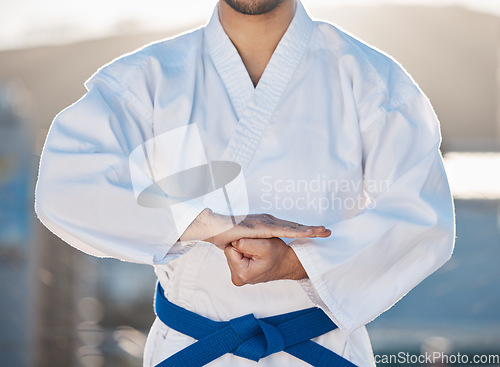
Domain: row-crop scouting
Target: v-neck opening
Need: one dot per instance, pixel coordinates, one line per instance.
(255, 105)
(230, 65)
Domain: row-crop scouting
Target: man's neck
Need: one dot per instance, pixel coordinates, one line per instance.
(256, 36)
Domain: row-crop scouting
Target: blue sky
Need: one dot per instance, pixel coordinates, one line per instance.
(34, 22)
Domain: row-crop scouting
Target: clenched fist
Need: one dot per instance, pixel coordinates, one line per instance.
(260, 260)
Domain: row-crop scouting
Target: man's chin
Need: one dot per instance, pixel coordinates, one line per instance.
(253, 7)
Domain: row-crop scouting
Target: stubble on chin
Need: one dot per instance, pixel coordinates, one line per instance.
(253, 7)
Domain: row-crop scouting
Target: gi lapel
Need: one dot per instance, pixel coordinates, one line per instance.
(255, 107)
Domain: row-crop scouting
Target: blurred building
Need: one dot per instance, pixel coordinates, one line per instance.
(17, 257)
(81, 311)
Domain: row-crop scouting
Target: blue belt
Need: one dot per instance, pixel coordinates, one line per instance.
(247, 336)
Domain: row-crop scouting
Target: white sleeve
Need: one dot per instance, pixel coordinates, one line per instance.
(85, 193)
(374, 258)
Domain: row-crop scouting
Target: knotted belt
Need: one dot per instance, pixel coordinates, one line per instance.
(247, 336)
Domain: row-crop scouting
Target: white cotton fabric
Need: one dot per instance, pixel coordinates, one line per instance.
(336, 133)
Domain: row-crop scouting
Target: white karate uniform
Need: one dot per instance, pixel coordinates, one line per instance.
(336, 133)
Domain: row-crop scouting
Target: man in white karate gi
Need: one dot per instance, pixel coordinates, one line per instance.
(325, 129)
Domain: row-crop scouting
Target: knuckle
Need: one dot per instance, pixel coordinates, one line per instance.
(237, 281)
(268, 218)
(242, 278)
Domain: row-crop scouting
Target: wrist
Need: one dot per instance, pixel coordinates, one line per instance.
(218, 226)
(297, 271)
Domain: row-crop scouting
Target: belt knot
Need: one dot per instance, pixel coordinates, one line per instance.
(259, 339)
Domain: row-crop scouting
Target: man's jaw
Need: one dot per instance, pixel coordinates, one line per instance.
(253, 7)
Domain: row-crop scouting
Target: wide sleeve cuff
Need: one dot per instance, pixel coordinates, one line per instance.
(317, 290)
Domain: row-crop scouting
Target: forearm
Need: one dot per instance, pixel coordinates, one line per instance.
(222, 230)
(205, 227)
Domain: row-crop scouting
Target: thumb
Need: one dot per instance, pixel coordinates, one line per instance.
(248, 246)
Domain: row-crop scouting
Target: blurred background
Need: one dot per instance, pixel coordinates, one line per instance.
(59, 307)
